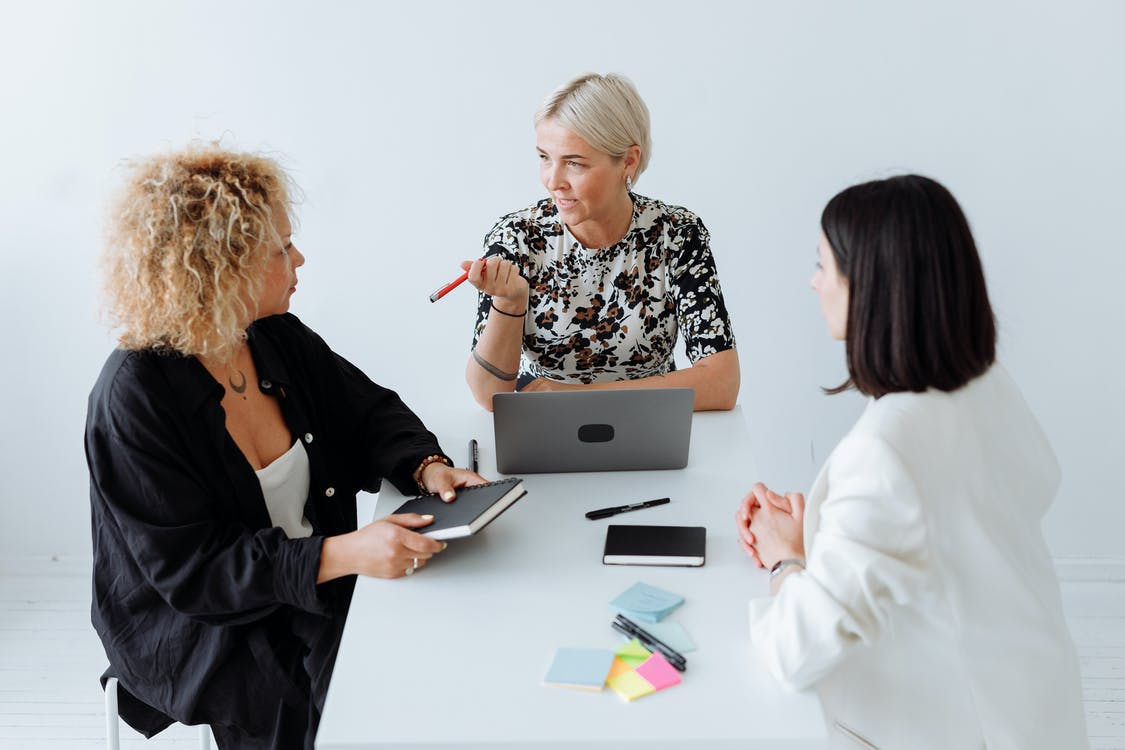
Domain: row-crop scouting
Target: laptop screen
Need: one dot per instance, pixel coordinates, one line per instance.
(597, 430)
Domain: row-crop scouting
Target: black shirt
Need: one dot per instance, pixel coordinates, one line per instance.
(188, 571)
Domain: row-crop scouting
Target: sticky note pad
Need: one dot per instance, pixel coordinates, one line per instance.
(583, 668)
(633, 653)
(646, 603)
(630, 685)
(673, 634)
(658, 672)
(619, 666)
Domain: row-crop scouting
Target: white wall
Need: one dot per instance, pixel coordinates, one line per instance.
(409, 127)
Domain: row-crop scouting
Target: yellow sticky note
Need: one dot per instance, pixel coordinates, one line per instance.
(633, 653)
(630, 685)
(618, 667)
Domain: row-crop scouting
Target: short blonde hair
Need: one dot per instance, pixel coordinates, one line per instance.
(185, 246)
(605, 111)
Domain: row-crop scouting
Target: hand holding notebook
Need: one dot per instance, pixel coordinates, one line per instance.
(474, 508)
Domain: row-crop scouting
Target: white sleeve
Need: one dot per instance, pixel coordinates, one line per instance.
(866, 557)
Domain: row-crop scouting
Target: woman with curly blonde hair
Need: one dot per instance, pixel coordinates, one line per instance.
(226, 444)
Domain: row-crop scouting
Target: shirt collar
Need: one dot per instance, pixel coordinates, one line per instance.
(273, 372)
(194, 383)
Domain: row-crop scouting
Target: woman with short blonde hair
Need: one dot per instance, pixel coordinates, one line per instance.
(592, 286)
(605, 111)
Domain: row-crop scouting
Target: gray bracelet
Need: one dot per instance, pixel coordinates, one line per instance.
(781, 565)
(492, 369)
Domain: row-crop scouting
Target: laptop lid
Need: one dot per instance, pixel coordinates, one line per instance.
(596, 430)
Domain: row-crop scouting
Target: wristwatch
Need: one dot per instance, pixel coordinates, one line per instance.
(781, 565)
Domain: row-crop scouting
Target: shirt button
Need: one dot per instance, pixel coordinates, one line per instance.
(330, 492)
(266, 385)
(308, 437)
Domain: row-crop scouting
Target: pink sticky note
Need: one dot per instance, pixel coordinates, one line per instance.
(658, 672)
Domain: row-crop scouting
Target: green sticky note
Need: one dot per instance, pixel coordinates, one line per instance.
(633, 653)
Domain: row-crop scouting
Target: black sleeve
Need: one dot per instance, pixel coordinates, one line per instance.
(700, 310)
(502, 241)
(382, 435)
(153, 483)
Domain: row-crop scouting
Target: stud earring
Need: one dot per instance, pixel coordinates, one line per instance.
(628, 184)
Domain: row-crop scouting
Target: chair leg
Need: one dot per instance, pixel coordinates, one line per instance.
(112, 724)
(112, 739)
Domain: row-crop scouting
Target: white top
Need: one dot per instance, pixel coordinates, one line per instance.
(285, 486)
(929, 615)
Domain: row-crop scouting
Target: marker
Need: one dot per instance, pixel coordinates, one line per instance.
(474, 456)
(449, 287)
(607, 512)
(675, 658)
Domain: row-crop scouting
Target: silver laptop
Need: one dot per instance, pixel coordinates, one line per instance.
(603, 430)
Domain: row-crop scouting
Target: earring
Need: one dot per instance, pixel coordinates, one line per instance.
(628, 184)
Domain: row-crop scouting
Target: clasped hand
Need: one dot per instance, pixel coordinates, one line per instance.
(771, 527)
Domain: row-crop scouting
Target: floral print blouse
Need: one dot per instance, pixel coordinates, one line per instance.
(612, 313)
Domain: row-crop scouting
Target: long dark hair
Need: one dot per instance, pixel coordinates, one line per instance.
(918, 310)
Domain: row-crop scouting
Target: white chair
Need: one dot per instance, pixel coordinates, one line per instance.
(112, 724)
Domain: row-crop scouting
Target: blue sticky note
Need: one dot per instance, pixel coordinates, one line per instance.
(672, 633)
(646, 603)
(583, 668)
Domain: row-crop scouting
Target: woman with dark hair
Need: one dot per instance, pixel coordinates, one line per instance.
(915, 590)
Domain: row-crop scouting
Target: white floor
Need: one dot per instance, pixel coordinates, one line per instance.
(50, 660)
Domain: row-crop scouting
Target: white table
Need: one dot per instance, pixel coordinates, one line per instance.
(455, 655)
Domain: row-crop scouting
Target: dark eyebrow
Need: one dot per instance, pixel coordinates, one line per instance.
(564, 156)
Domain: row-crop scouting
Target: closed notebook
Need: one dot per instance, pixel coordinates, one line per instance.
(473, 508)
(655, 545)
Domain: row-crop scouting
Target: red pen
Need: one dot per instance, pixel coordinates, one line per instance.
(449, 287)
(453, 284)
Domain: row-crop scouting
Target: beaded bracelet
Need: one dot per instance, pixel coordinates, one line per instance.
(422, 467)
(510, 315)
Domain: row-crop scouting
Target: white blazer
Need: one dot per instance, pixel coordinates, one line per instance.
(929, 615)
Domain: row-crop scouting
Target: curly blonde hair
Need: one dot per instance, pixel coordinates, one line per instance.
(185, 247)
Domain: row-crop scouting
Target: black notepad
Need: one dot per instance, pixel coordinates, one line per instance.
(473, 508)
(655, 545)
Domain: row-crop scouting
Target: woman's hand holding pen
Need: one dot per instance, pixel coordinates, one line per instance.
(501, 280)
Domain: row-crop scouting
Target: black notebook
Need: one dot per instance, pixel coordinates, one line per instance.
(473, 508)
(655, 545)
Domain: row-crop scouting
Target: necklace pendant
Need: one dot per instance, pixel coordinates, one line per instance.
(239, 387)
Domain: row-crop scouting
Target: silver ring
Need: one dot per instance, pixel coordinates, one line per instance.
(409, 571)
(416, 563)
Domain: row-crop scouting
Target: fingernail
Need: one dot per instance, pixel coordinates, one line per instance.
(427, 517)
(444, 545)
(447, 495)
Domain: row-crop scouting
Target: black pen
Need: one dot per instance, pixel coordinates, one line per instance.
(474, 456)
(628, 626)
(607, 512)
(679, 664)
